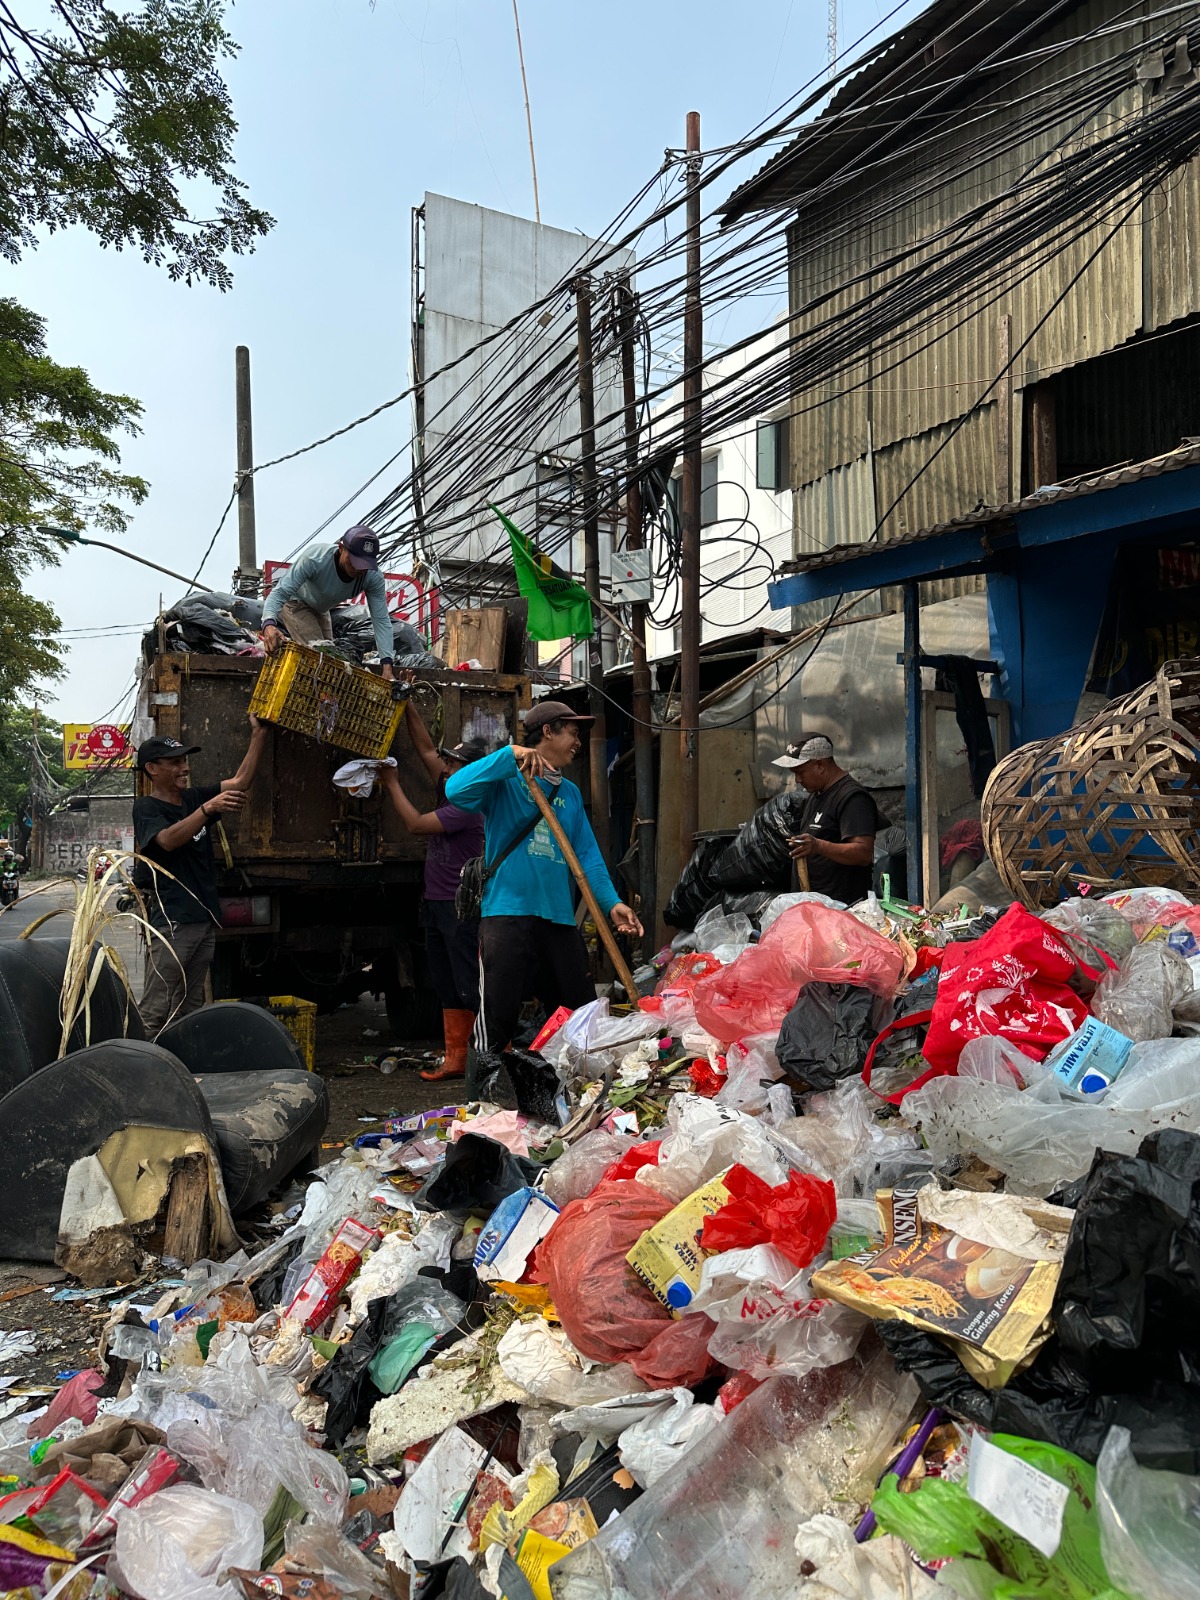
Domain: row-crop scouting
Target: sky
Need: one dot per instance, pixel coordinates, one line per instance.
(348, 113)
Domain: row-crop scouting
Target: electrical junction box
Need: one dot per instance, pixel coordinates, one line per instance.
(629, 574)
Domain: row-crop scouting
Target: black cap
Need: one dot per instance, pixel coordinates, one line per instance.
(163, 750)
(466, 750)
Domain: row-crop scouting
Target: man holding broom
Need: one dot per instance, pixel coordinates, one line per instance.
(528, 938)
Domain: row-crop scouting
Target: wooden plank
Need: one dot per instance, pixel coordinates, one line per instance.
(727, 797)
(477, 634)
(1043, 437)
(188, 1236)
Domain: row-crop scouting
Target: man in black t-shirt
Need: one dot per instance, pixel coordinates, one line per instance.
(170, 826)
(835, 833)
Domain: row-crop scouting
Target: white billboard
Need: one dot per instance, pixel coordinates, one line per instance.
(479, 269)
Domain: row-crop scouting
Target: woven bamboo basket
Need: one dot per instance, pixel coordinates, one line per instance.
(1113, 802)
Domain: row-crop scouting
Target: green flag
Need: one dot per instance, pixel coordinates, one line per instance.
(558, 607)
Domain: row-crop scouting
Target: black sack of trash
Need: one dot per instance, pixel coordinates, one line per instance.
(474, 1176)
(827, 1033)
(758, 858)
(1126, 1352)
(195, 625)
(697, 888)
(535, 1084)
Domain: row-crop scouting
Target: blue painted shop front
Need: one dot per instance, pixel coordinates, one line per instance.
(1057, 573)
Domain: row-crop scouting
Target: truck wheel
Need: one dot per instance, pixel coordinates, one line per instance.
(413, 1013)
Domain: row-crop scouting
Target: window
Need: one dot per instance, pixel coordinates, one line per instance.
(709, 471)
(772, 467)
(709, 475)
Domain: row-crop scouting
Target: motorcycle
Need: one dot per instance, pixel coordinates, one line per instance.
(10, 885)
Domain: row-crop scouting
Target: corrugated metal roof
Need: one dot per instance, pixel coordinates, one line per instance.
(1187, 455)
(948, 39)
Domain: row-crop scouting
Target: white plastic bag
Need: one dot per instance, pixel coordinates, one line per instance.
(319, 1548)
(652, 1446)
(779, 1334)
(359, 776)
(1039, 1137)
(590, 1041)
(180, 1541)
(1149, 1525)
(833, 1566)
(703, 1139)
(398, 1261)
(724, 937)
(343, 1190)
(751, 1068)
(774, 909)
(582, 1165)
(544, 1362)
(1139, 999)
(268, 1450)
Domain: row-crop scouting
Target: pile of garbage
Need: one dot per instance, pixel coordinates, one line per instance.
(211, 622)
(861, 1258)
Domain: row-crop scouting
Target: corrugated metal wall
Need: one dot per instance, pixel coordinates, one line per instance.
(932, 371)
(837, 509)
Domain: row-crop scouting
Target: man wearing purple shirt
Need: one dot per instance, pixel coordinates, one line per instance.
(452, 838)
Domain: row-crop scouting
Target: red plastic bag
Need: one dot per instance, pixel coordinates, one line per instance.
(632, 1162)
(608, 1313)
(808, 943)
(708, 1080)
(795, 1217)
(1012, 984)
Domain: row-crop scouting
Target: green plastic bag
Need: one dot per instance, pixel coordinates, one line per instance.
(393, 1363)
(988, 1560)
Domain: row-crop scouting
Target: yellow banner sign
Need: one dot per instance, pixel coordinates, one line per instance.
(89, 745)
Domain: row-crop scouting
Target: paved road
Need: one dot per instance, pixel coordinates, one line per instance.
(38, 898)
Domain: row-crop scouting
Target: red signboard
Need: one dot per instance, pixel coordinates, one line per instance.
(408, 599)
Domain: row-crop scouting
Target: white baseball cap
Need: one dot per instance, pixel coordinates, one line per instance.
(818, 748)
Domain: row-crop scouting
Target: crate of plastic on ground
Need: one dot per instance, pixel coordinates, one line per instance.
(329, 700)
(299, 1017)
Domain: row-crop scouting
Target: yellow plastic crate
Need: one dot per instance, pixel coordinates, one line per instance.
(328, 699)
(299, 1017)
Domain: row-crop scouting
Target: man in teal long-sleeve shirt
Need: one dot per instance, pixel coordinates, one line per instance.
(528, 941)
(325, 576)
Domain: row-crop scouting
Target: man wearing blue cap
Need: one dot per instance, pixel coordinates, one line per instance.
(325, 576)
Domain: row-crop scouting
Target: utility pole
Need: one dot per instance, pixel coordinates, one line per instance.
(643, 733)
(598, 747)
(248, 579)
(689, 564)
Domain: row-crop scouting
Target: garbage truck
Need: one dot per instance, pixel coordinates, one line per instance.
(320, 891)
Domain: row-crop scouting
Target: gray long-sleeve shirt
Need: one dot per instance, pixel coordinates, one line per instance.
(314, 580)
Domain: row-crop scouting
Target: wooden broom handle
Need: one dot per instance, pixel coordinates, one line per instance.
(585, 889)
(802, 874)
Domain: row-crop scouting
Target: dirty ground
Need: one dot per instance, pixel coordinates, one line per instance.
(348, 1040)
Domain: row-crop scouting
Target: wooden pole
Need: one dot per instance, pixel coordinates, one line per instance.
(689, 536)
(643, 705)
(598, 738)
(585, 889)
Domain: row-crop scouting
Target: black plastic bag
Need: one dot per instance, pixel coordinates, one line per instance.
(475, 1175)
(696, 888)
(1127, 1315)
(206, 629)
(751, 903)
(535, 1084)
(758, 858)
(343, 1381)
(827, 1033)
